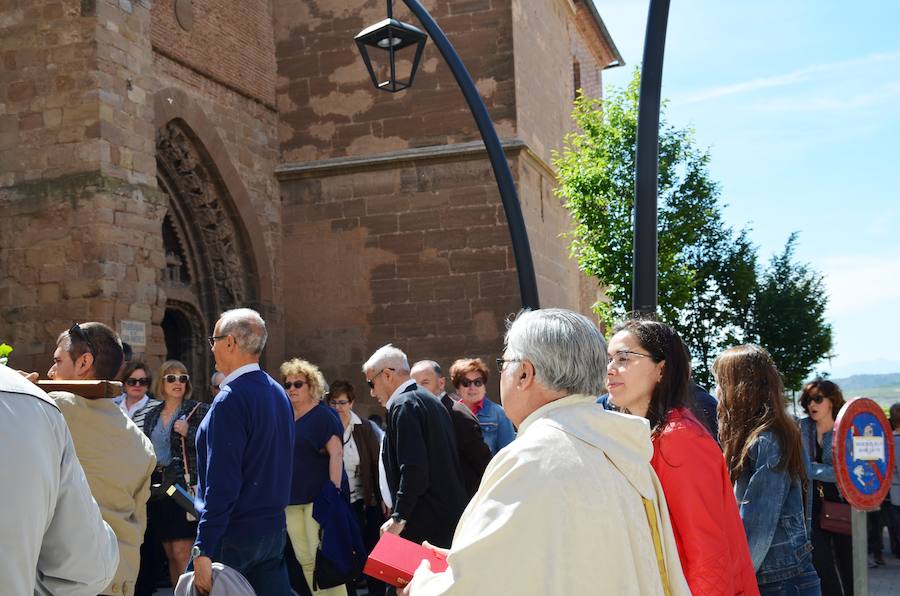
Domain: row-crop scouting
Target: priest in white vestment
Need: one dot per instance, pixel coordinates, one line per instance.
(572, 506)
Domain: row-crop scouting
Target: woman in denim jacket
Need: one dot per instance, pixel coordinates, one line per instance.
(832, 553)
(767, 464)
(469, 376)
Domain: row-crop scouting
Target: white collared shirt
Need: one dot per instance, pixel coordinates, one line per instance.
(122, 402)
(403, 387)
(238, 372)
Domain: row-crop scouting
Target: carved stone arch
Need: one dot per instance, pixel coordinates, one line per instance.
(185, 330)
(216, 224)
(173, 104)
(205, 223)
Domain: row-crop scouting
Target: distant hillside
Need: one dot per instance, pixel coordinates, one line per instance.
(885, 389)
(858, 383)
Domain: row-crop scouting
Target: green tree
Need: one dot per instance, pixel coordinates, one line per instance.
(789, 316)
(707, 273)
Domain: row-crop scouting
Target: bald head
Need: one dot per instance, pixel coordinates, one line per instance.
(428, 375)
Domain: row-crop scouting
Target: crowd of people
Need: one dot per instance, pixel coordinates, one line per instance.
(605, 470)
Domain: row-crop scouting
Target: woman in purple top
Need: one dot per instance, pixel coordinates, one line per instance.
(318, 458)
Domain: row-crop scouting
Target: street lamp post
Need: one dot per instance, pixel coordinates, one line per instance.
(385, 39)
(646, 171)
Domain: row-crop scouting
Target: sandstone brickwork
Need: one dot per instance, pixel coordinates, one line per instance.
(162, 161)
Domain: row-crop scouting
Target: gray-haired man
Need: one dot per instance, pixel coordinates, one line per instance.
(245, 447)
(474, 453)
(419, 455)
(571, 506)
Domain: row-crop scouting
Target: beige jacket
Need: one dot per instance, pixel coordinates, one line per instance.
(117, 459)
(560, 510)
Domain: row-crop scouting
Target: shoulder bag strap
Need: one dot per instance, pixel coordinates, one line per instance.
(184, 459)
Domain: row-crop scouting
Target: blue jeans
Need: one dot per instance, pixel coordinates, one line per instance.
(805, 584)
(260, 560)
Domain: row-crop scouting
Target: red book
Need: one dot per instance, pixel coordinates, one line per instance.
(394, 560)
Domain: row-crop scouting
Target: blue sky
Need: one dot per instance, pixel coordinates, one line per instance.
(799, 104)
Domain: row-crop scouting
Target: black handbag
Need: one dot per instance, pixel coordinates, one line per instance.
(326, 575)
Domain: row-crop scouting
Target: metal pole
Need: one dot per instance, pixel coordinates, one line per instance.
(860, 552)
(511, 206)
(646, 171)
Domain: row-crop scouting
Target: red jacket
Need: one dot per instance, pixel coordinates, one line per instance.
(708, 530)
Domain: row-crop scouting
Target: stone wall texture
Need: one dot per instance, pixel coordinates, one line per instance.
(174, 158)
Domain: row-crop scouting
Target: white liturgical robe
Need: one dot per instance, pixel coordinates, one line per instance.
(561, 511)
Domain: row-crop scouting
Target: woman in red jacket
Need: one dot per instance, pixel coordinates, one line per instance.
(649, 375)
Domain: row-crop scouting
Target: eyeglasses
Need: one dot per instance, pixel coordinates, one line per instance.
(468, 382)
(371, 382)
(145, 382)
(177, 378)
(213, 339)
(623, 358)
(75, 331)
(295, 384)
(341, 402)
(501, 362)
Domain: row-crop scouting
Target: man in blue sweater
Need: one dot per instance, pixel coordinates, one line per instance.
(245, 447)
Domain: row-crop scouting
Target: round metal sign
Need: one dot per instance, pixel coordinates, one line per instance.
(863, 452)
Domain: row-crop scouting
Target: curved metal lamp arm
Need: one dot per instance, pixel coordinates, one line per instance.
(517, 231)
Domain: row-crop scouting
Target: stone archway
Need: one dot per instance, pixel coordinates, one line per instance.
(209, 264)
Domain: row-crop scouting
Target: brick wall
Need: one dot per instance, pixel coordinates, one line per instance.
(417, 255)
(79, 239)
(49, 124)
(328, 106)
(228, 41)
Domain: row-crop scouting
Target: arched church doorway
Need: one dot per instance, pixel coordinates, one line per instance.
(209, 267)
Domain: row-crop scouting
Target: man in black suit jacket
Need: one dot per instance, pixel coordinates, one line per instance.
(474, 454)
(420, 458)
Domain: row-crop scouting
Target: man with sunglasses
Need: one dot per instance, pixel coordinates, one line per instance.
(421, 465)
(116, 456)
(245, 448)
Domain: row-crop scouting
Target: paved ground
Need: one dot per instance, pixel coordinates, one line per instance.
(885, 581)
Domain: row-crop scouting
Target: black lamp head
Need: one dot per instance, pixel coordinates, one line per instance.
(391, 36)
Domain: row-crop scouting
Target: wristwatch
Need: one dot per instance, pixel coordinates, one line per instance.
(397, 519)
(195, 552)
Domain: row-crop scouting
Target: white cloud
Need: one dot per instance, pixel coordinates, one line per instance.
(791, 78)
(862, 282)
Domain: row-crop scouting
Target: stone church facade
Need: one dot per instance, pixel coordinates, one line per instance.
(162, 161)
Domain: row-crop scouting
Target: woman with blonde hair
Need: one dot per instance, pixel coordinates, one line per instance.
(318, 459)
(766, 463)
(171, 422)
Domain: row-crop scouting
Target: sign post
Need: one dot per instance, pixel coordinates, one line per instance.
(863, 453)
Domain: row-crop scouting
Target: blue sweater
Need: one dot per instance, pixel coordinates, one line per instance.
(244, 462)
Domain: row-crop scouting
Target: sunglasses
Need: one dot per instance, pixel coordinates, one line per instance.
(145, 382)
(468, 382)
(76, 332)
(177, 378)
(818, 399)
(295, 385)
(371, 382)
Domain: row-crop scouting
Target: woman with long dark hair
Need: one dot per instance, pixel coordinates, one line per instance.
(649, 375)
(832, 551)
(766, 464)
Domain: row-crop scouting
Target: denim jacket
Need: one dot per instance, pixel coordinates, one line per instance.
(498, 431)
(823, 472)
(773, 512)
